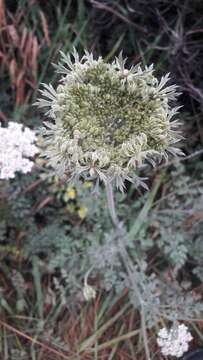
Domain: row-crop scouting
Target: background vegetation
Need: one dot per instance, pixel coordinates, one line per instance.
(52, 233)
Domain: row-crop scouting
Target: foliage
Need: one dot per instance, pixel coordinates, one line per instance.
(74, 244)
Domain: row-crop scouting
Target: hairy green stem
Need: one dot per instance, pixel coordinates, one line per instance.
(126, 260)
(111, 206)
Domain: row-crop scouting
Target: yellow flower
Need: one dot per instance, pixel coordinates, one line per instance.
(87, 184)
(82, 212)
(69, 194)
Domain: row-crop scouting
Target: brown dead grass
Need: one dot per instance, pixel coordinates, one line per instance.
(19, 51)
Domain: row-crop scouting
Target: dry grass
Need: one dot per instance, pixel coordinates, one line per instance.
(19, 51)
(104, 329)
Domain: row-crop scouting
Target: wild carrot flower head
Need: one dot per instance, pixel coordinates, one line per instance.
(16, 148)
(175, 341)
(106, 119)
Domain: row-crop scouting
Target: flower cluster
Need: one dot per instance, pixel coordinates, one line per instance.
(89, 292)
(174, 342)
(107, 119)
(16, 147)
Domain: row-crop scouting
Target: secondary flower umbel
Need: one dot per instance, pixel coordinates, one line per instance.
(107, 119)
(16, 147)
(174, 342)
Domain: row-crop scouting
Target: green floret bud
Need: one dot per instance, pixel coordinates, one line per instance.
(106, 119)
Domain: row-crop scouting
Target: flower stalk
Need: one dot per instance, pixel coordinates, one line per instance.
(123, 253)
